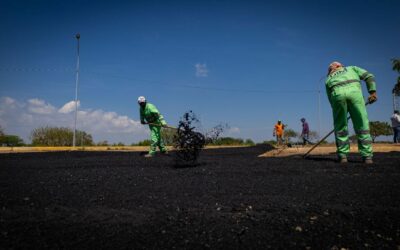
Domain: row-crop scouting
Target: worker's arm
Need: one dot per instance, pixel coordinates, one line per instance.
(328, 92)
(156, 116)
(369, 80)
(141, 112)
(367, 77)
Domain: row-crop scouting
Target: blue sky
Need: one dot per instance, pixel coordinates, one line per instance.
(245, 63)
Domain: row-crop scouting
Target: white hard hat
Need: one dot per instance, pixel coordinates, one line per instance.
(141, 99)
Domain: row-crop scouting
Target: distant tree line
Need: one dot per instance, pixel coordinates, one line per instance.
(169, 134)
(59, 136)
(378, 128)
(62, 136)
(229, 141)
(10, 140)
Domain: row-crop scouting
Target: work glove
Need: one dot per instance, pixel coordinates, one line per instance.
(143, 122)
(372, 97)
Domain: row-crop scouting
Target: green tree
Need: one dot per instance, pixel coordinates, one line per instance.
(11, 141)
(290, 133)
(270, 142)
(396, 64)
(83, 138)
(142, 143)
(378, 128)
(1, 131)
(396, 67)
(313, 135)
(249, 142)
(102, 143)
(230, 141)
(59, 136)
(167, 136)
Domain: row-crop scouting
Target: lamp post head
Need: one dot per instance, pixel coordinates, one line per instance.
(78, 36)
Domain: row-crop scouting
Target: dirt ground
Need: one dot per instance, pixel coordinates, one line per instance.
(284, 151)
(232, 199)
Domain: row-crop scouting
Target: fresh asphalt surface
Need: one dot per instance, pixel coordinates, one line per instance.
(230, 199)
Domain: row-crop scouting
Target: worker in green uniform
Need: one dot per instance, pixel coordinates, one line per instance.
(149, 114)
(345, 95)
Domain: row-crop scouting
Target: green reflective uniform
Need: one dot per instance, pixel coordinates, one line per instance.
(150, 114)
(345, 95)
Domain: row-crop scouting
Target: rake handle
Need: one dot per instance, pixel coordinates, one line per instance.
(159, 125)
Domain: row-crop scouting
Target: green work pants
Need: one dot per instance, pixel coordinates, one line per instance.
(156, 140)
(349, 99)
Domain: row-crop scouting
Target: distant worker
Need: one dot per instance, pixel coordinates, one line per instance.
(396, 126)
(150, 115)
(345, 95)
(279, 129)
(305, 132)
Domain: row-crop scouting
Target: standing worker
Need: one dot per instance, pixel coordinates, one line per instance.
(396, 126)
(278, 132)
(345, 95)
(150, 115)
(305, 132)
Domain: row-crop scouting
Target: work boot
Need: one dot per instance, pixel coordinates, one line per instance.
(148, 155)
(368, 160)
(342, 159)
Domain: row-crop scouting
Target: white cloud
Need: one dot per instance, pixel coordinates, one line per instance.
(21, 117)
(201, 70)
(8, 101)
(37, 106)
(69, 107)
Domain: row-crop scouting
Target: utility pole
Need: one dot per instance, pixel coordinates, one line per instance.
(319, 111)
(76, 90)
(319, 105)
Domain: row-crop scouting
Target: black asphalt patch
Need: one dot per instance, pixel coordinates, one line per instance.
(230, 199)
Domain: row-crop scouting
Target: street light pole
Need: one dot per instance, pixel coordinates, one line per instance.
(76, 90)
(319, 105)
(319, 112)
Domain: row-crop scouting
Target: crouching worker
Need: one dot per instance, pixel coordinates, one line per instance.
(150, 115)
(345, 95)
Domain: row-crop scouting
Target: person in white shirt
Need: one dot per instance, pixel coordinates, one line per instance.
(396, 126)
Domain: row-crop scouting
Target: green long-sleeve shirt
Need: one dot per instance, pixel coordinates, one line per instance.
(349, 75)
(151, 114)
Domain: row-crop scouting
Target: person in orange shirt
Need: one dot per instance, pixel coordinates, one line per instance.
(278, 132)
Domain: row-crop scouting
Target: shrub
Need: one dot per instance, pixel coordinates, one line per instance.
(59, 136)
